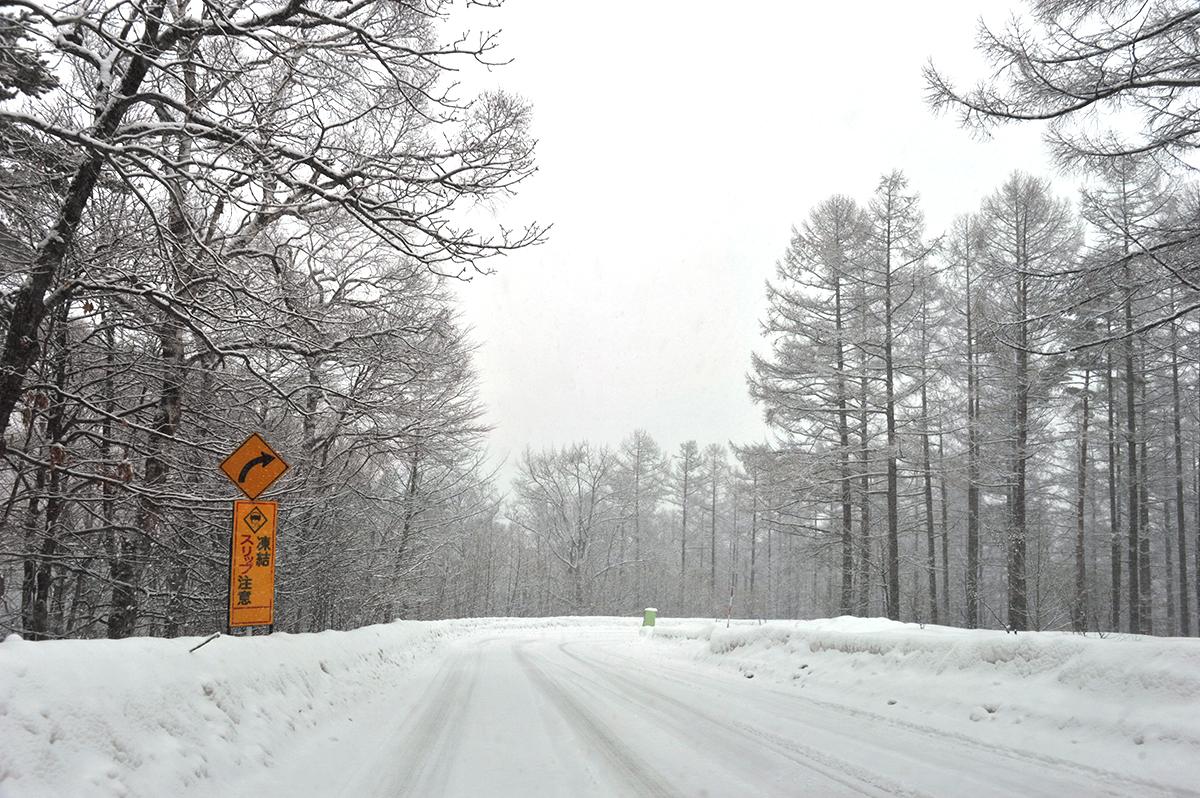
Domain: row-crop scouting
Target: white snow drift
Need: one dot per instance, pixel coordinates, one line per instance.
(1126, 702)
(145, 717)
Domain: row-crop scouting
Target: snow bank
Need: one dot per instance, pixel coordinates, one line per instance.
(144, 717)
(1140, 689)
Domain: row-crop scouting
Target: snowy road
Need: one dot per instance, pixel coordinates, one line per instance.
(592, 714)
(578, 706)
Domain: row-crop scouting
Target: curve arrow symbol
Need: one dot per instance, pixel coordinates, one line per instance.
(263, 460)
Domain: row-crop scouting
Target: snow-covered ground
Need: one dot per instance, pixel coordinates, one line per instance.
(591, 706)
(1124, 704)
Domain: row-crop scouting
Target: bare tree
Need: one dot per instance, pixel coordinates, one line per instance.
(804, 385)
(897, 229)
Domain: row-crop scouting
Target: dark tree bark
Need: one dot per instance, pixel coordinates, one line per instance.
(927, 475)
(1169, 571)
(753, 540)
(39, 568)
(864, 442)
(891, 570)
(945, 530)
(1114, 518)
(20, 350)
(1081, 608)
(687, 463)
(1131, 453)
(1018, 600)
(1145, 580)
(712, 556)
(1185, 617)
(972, 575)
(893, 489)
(846, 604)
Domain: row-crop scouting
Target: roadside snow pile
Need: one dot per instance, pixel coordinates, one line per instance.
(1138, 688)
(143, 717)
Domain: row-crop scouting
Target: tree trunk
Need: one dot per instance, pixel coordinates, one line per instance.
(1081, 606)
(972, 575)
(929, 536)
(712, 556)
(170, 332)
(753, 540)
(893, 488)
(683, 542)
(411, 493)
(1170, 566)
(1185, 617)
(1018, 601)
(864, 515)
(1145, 581)
(1135, 590)
(39, 568)
(123, 619)
(637, 523)
(21, 348)
(1114, 517)
(845, 606)
(945, 529)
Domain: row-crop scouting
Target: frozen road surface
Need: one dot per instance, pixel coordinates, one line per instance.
(596, 713)
(576, 707)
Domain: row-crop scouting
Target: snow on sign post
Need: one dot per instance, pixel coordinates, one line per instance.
(253, 467)
(252, 566)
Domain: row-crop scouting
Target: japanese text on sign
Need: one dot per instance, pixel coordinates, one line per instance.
(252, 577)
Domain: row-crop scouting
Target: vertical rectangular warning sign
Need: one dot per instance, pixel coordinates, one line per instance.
(252, 571)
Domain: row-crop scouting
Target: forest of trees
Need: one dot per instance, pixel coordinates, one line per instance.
(217, 218)
(221, 217)
(997, 424)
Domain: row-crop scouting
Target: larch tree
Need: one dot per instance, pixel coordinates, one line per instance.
(1125, 210)
(1029, 235)
(642, 467)
(715, 468)
(897, 249)
(684, 486)
(962, 255)
(804, 384)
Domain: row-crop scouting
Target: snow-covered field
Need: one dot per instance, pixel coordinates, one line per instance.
(591, 706)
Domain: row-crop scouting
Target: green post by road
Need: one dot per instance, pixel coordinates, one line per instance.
(648, 616)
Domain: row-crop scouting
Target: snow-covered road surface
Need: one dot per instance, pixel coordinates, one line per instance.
(536, 708)
(593, 713)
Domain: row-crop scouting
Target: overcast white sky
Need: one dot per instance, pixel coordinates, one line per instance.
(679, 143)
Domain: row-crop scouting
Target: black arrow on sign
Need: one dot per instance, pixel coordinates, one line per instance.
(263, 460)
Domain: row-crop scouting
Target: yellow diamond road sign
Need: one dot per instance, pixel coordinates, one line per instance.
(254, 466)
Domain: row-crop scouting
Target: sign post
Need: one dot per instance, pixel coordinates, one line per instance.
(253, 467)
(252, 568)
